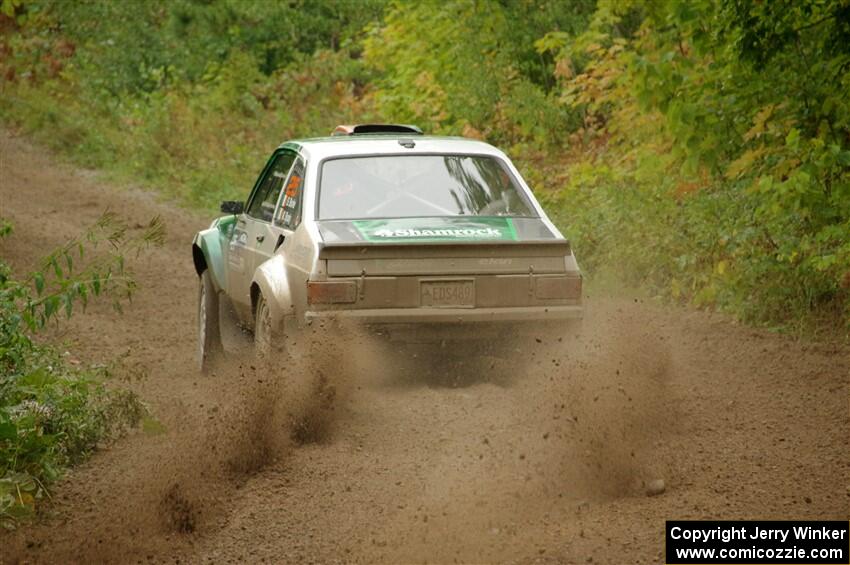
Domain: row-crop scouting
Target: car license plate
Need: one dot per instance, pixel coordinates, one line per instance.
(447, 294)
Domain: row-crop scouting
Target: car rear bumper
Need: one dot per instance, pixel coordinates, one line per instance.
(381, 316)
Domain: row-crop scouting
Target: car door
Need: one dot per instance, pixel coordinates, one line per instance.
(249, 231)
(270, 236)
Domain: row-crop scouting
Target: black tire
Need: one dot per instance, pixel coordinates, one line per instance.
(263, 331)
(270, 339)
(209, 332)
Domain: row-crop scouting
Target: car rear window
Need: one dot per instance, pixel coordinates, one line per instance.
(402, 186)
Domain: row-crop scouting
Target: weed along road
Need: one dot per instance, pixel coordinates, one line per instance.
(573, 449)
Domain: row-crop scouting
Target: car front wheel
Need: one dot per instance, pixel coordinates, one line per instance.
(209, 335)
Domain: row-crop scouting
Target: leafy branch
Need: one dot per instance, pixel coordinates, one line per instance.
(90, 265)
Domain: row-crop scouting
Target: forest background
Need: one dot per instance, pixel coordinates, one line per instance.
(698, 150)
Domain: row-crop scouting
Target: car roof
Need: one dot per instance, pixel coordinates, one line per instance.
(338, 146)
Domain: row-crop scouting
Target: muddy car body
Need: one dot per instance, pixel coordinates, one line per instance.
(423, 238)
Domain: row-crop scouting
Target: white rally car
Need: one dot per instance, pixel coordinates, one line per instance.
(423, 238)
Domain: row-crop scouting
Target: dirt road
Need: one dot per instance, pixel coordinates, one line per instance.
(542, 460)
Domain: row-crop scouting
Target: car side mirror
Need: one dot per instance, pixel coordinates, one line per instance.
(232, 207)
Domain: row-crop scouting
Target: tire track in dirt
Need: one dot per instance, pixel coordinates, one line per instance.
(543, 458)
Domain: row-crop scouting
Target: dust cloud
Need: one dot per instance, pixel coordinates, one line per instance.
(178, 486)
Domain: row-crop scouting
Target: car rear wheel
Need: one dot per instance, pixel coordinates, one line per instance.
(209, 334)
(263, 334)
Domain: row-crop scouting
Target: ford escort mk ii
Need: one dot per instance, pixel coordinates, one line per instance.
(418, 237)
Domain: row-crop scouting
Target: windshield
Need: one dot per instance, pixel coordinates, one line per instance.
(405, 186)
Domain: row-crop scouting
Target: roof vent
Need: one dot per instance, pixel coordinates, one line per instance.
(360, 129)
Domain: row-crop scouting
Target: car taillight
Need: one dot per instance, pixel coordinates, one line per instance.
(557, 287)
(343, 292)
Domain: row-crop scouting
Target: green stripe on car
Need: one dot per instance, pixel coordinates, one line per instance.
(437, 229)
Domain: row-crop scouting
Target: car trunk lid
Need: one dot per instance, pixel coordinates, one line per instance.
(444, 258)
(441, 246)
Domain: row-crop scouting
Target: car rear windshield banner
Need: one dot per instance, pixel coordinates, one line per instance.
(762, 542)
(437, 229)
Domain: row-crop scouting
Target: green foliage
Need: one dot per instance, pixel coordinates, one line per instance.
(699, 148)
(726, 178)
(128, 47)
(53, 414)
(68, 276)
(185, 96)
(469, 67)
